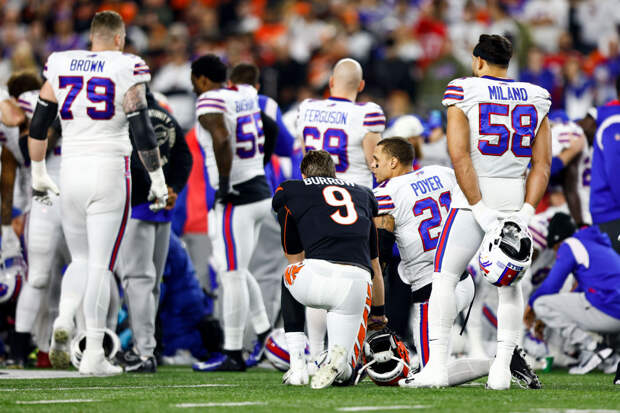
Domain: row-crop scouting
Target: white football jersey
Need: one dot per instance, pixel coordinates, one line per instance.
(27, 101)
(339, 126)
(90, 88)
(9, 139)
(561, 136)
(241, 111)
(419, 202)
(504, 117)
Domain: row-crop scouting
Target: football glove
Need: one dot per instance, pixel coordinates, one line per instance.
(225, 190)
(158, 194)
(41, 181)
(485, 217)
(526, 213)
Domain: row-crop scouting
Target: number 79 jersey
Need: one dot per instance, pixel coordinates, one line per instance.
(419, 202)
(504, 117)
(90, 88)
(241, 111)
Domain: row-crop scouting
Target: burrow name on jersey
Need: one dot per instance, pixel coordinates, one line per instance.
(498, 92)
(325, 116)
(85, 65)
(319, 180)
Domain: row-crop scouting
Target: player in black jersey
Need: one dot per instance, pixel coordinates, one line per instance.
(330, 239)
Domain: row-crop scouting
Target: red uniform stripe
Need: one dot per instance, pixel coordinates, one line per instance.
(229, 238)
(121, 230)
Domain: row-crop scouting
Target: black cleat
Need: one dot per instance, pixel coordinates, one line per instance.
(617, 378)
(221, 362)
(148, 365)
(522, 373)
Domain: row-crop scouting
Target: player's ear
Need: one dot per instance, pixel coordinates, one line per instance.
(361, 86)
(331, 82)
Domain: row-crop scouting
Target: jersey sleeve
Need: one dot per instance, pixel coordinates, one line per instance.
(542, 102)
(279, 198)
(49, 67)
(384, 201)
(210, 102)
(374, 241)
(27, 101)
(454, 93)
(374, 118)
(141, 72)
(289, 234)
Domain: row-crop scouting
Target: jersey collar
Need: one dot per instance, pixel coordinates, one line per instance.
(497, 78)
(339, 99)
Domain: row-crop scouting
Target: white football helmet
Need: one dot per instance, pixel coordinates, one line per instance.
(276, 349)
(12, 274)
(386, 359)
(111, 346)
(506, 252)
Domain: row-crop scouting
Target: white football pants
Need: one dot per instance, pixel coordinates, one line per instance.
(343, 290)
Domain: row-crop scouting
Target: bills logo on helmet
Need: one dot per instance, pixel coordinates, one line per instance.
(276, 350)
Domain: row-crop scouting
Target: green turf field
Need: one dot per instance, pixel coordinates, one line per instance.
(178, 389)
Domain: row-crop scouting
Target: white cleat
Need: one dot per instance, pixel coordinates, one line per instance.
(313, 367)
(296, 377)
(499, 377)
(428, 377)
(94, 363)
(327, 373)
(59, 355)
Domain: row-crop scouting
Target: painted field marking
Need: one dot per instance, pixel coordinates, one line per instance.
(379, 408)
(225, 404)
(158, 386)
(56, 401)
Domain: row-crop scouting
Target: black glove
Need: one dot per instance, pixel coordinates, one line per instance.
(225, 190)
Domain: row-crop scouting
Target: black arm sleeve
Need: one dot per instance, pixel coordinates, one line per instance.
(142, 130)
(270, 129)
(289, 235)
(386, 243)
(43, 117)
(180, 162)
(374, 242)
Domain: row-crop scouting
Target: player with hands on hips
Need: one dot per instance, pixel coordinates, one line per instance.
(99, 94)
(496, 128)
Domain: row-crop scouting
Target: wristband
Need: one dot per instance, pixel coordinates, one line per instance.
(378, 310)
(224, 185)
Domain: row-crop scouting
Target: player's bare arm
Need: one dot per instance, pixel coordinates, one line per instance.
(385, 222)
(368, 146)
(377, 321)
(11, 114)
(7, 183)
(537, 180)
(569, 185)
(136, 108)
(295, 258)
(458, 147)
(574, 149)
(214, 123)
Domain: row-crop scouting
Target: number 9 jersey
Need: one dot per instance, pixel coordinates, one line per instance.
(339, 126)
(90, 88)
(504, 117)
(241, 111)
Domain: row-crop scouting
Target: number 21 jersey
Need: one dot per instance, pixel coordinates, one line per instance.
(504, 117)
(90, 88)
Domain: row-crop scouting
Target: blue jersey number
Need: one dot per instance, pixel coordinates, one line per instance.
(249, 141)
(429, 242)
(334, 141)
(98, 90)
(523, 119)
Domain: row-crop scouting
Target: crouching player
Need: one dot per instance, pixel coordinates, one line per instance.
(330, 239)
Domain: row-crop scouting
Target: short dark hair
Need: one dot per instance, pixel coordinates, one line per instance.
(211, 67)
(106, 22)
(561, 226)
(494, 48)
(399, 148)
(245, 74)
(23, 81)
(318, 163)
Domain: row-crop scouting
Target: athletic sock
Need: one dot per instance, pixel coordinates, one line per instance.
(442, 312)
(296, 343)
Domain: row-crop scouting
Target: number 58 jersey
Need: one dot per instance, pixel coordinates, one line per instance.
(241, 111)
(90, 88)
(419, 202)
(339, 126)
(504, 117)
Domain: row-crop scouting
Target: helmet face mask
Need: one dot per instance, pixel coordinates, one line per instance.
(506, 252)
(12, 274)
(386, 358)
(111, 346)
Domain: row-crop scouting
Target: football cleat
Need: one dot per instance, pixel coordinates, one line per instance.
(221, 362)
(94, 363)
(144, 365)
(296, 377)
(522, 373)
(589, 360)
(257, 354)
(328, 372)
(59, 354)
(429, 377)
(617, 378)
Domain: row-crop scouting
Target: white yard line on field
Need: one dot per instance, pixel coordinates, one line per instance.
(225, 404)
(378, 408)
(158, 386)
(55, 401)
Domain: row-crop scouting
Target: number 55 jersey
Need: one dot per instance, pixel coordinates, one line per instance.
(419, 201)
(90, 88)
(328, 218)
(504, 117)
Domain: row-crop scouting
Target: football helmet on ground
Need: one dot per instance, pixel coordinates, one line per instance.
(276, 350)
(12, 274)
(111, 346)
(385, 358)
